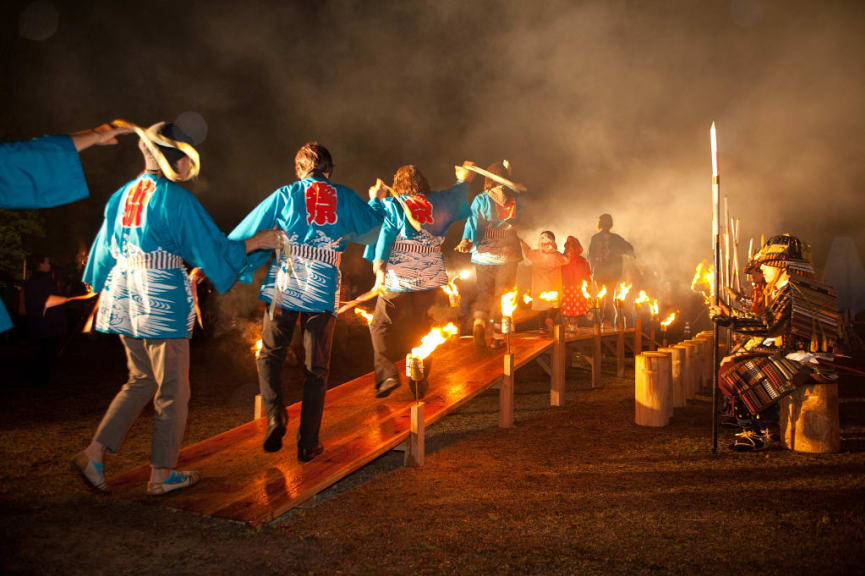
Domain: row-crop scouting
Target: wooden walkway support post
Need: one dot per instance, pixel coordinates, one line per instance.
(652, 388)
(415, 454)
(638, 333)
(258, 411)
(597, 353)
(652, 345)
(557, 379)
(620, 343)
(809, 419)
(506, 394)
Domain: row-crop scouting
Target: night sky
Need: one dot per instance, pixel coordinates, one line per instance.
(599, 106)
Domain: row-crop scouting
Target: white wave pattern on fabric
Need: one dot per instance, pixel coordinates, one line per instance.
(142, 302)
(496, 245)
(305, 286)
(416, 264)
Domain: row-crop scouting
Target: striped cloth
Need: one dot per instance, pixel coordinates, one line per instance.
(416, 247)
(159, 260)
(331, 257)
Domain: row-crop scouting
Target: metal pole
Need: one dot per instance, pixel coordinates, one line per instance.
(716, 247)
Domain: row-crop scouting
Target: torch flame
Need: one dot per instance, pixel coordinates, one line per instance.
(365, 313)
(257, 346)
(622, 292)
(434, 338)
(602, 293)
(586, 294)
(641, 298)
(653, 309)
(549, 296)
(704, 281)
(527, 298)
(669, 320)
(465, 274)
(509, 303)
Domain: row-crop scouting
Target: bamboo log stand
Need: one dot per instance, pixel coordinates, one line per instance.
(691, 369)
(809, 419)
(557, 378)
(680, 393)
(506, 394)
(414, 455)
(652, 388)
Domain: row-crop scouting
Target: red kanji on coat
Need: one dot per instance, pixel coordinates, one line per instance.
(136, 201)
(421, 209)
(321, 203)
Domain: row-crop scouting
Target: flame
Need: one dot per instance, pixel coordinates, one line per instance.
(602, 293)
(365, 313)
(653, 309)
(586, 294)
(434, 338)
(622, 292)
(669, 320)
(257, 347)
(509, 303)
(451, 289)
(704, 281)
(641, 298)
(526, 298)
(549, 296)
(465, 274)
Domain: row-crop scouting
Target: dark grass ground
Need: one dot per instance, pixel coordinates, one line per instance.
(572, 490)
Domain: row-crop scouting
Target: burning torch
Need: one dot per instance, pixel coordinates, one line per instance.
(509, 304)
(666, 324)
(618, 302)
(414, 369)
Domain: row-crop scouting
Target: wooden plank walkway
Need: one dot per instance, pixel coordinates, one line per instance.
(242, 482)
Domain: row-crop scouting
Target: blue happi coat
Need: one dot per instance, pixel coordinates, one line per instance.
(414, 259)
(39, 173)
(493, 232)
(151, 227)
(319, 219)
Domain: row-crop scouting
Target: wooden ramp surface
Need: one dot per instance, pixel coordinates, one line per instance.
(242, 482)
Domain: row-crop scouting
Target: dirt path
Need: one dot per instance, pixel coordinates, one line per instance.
(573, 490)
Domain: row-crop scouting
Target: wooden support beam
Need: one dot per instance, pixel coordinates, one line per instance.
(597, 354)
(557, 378)
(506, 394)
(620, 345)
(546, 364)
(638, 334)
(258, 411)
(415, 454)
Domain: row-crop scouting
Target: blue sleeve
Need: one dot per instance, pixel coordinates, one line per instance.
(456, 198)
(378, 207)
(5, 321)
(476, 223)
(364, 222)
(203, 245)
(40, 173)
(263, 217)
(390, 229)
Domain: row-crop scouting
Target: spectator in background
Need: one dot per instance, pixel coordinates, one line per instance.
(45, 326)
(606, 251)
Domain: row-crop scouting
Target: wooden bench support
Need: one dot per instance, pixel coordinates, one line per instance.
(506, 394)
(638, 334)
(415, 453)
(557, 378)
(546, 364)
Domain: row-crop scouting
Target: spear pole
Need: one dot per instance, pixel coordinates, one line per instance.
(716, 248)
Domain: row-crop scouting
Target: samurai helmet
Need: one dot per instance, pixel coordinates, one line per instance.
(783, 251)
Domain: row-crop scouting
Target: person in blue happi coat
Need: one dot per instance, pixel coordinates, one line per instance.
(46, 172)
(490, 235)
(319, 218)
(408, 263)
(153, 227)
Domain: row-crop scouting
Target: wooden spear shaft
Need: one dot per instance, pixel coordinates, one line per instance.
(716, 248)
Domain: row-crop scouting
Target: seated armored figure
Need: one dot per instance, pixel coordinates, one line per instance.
(792, 318)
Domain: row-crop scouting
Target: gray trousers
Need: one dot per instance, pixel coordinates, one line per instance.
(158, 371)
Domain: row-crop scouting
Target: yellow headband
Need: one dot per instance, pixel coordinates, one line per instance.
(152, 140)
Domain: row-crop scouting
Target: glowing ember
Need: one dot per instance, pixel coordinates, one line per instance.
(622, 292)
(704, 281)
(436, 337)
(365, 313)
(669, 320)
(509, 303)
(549, 296)
(526, 298)
(653, 309)
(586, 294)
